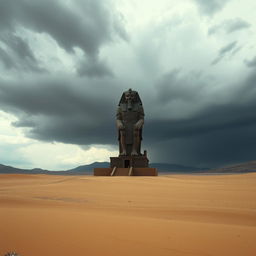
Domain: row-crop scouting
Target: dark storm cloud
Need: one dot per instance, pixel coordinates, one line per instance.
(6, 59)
(210, 7)
(225, 50)
(18, 45)
(93, 68)
(219, 133)
(179, 87)
(213, 149)
(61, 22)
(84, 24)
(70, 110)
(56, 111)
(18, 54)
(237, 109)
(251, 63)
(229, 26)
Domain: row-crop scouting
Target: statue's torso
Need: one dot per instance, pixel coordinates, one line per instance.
(130, 118)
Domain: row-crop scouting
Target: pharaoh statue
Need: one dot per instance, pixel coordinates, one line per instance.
(129, 121)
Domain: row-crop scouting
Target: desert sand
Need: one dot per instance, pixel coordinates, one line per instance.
(43, 215)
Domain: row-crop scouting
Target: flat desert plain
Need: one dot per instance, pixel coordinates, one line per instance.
(47, 215)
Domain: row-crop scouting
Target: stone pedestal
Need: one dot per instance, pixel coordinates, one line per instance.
(127, 166)
(129, 161)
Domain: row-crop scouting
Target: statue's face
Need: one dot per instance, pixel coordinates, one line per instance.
(129, 97)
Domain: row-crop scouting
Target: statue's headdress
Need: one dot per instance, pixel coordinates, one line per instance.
(136, 97)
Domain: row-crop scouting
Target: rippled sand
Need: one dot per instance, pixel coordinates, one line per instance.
(43, 215)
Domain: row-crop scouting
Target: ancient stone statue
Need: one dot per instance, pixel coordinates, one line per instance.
(129, 121)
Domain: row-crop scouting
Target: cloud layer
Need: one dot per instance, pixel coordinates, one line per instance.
(64, 65)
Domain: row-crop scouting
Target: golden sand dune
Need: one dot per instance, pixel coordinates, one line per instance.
(43, 215)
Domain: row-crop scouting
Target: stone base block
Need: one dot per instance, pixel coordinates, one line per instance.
(128, 161)
(126, 171)
(102, 171)
(144, 172)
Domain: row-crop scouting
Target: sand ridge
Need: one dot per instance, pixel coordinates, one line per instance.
(167, 215)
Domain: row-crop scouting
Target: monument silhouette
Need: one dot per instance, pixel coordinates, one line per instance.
(129, 122)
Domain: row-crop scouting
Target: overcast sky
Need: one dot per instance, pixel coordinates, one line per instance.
(64, 65)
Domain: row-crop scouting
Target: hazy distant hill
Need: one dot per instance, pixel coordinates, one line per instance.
(237, 168)
(9, 169)
(90, 167)
(165, 167)
(162, 168)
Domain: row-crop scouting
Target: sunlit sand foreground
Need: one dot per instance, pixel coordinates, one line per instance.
(43, 215)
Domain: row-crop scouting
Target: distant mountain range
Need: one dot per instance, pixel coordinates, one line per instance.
(161, 167)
